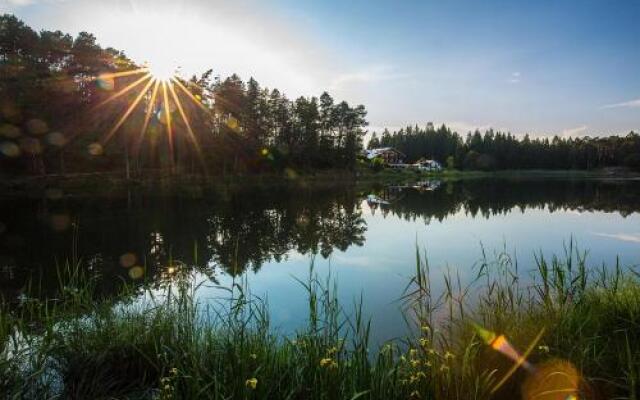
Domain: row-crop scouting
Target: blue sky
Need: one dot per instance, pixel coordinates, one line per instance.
(539, 67)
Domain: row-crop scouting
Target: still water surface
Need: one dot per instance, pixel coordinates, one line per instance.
(366, 236)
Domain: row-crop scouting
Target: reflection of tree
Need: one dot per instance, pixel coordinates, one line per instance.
(232, 230)
(248, 227)
(486, 197)
(255, 229)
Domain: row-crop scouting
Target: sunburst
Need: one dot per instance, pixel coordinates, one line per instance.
(158, 86)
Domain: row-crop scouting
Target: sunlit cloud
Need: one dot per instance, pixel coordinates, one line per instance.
(244, 38)
(624, 237)
(625, 104)
(24, 3)
(572, 132)
(371, 74)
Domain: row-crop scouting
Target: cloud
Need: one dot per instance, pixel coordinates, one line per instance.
(515, 77)
(462, 127)
(625, 104)
(24, 3)
(370, 74)
(625, 237)
(570, 132)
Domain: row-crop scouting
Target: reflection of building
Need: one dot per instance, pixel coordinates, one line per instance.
(428, 165)
(428, 185)
(387, 154)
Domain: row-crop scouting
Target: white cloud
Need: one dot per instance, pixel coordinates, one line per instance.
(463, 127)
(24, 3)
(625, 104)
(570, 132)
(18, 2)
(625, 237)
(370, 74)
(515, 77)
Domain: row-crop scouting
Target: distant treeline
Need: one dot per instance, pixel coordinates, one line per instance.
(499, 150)
(52, 117)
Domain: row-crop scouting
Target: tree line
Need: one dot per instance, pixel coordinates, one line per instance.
(52, 117)
(499, 150)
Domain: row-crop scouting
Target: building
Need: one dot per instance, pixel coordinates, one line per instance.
(428, 165)
(387, 154)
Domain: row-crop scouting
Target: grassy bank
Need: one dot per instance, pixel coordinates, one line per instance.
(583, 330)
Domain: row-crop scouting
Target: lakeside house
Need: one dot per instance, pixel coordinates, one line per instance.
(389, 155)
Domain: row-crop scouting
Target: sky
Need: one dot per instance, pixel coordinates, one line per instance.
(546, 67)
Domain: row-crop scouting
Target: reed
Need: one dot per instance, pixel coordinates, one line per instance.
(164, 344)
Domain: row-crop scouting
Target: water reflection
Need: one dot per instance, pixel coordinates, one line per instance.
(231, 231)
(158, 236)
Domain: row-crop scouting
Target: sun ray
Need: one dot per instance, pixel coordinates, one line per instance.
(167, 115)
(188, 93)
(192, 136)
(125, 90)
(147, 117)
(128, 112)
(113, 75)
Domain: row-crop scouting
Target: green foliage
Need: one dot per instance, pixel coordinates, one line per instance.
(451, 162)
(54, 79)
(499, 150)
(377, 164)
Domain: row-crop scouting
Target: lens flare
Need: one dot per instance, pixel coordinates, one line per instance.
(500, 344)
(554, 380)
(154, 91)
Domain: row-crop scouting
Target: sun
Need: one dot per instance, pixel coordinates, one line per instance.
(161, 71)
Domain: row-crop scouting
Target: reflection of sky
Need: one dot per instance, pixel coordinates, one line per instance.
(380, 270)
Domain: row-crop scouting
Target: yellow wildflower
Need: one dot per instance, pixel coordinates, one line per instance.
(544, 349)
(253, 356)
(325, 361)
(424, 342)
(403, 358)
(251, 383)
(413, 353)
(415, 363)
(449, 355)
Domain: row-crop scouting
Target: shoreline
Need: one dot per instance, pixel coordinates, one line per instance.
(114, 182)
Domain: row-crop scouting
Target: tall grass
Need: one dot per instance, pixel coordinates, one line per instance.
(166, 345)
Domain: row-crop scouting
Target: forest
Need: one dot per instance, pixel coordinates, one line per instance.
(499, 150)
(70, 106)
(66, 107)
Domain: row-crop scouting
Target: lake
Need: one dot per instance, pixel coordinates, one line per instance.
(364, 235)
